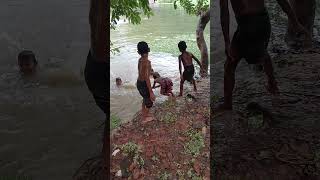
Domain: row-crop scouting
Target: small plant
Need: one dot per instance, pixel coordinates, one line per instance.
(195, 144)
(256, 120)
(114, 121)
(169, 117)
(214, 98)
(155, 158)
(130, 149)
(133, 150)
(192, 175)
(180, 174)
(139, 160)
(169, 104)
(164, 176)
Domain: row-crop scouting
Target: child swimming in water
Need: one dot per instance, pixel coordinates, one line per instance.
(118, 82)
(27, 62)
(165, 84)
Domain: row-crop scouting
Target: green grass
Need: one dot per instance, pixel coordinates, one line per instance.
(256, 121)
(114, 121)
(191, 175)
(133, 150)
(195, 144)
(169, 117)
(164, 176)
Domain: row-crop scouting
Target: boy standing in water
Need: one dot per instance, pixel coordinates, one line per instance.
(186, 59)
(143, 81)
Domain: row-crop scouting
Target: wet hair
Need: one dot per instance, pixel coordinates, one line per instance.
(182, 46)
(143, 48)
(25, 55)
(118, 79)
(155, 75)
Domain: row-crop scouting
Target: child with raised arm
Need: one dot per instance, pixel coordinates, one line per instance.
(188, 73)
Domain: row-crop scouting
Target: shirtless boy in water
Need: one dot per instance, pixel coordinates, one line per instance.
(186, 59)
(143, 81)
(250, 41)
(27, 62)
(165, 84)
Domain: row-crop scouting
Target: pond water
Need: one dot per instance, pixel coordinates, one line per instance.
(48, 123)
(162, 32)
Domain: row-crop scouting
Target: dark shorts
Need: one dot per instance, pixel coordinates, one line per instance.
(252, 36)
(144, 92)
(188, 73)
(96, 78)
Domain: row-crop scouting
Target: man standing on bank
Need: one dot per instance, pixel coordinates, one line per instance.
(250, 41)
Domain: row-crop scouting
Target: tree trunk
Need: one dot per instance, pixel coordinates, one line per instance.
(202, 45)
(98, 28)
(305, 11)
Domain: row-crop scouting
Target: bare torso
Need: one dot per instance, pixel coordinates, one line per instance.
(243, 7)
(144, 68)
(186, 59)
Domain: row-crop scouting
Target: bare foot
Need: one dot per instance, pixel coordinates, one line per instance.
(147, 118)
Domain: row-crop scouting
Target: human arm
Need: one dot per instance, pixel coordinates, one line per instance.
(156, 86)
(146, 74)
(197, 60)
(180, 71)
(286, 7)
(225, 23)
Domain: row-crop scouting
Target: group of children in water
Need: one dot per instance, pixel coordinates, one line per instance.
(145, 71)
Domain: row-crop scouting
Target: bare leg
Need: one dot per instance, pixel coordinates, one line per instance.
(272, 84)
(181, 87)
(229, 81)
(149, 117)
(194, 85)
(143, 111)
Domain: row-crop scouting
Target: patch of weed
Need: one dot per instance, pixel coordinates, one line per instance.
(180, 174)
(195, 144)
(155, 158)
(192, 175)
(256, 120)
(169, 117)
(164, 176)
(114, 121)
(133, 150)
(169, 104)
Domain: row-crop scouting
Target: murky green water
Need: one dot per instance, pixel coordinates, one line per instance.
(162, 32)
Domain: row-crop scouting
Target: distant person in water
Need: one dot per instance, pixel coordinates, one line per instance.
(165, 84)
(27, 62)
(118, 82)
(188, 73)
(250, 41)
(143, 81)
